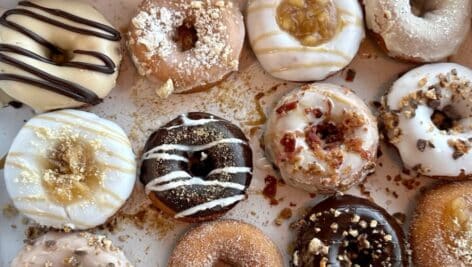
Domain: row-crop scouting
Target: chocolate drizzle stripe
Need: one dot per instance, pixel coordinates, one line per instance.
(50, 82)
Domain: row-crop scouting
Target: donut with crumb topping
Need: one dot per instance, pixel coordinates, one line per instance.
(346, 230)
(229, 242)
(441, 229)
(322, 138)
(188, 44)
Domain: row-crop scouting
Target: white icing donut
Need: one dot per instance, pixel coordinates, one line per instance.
(407, 116)
(429, 31)
(284, 57)
(75, 249)
(322, 137)
(70, 168)
(57, 54)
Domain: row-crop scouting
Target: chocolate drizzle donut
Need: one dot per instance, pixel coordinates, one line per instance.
(197, 167)
(349, 231)
(32, 56)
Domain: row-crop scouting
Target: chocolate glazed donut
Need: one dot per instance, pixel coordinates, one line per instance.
(197, 167)
(349, 231)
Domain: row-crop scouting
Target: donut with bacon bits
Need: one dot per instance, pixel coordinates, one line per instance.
(234, 243)
(197, 167)
(304, 40)
(441, 229)
(189, 44)
(418, 30)
(427, 115)
(346, 230)
(322, 138)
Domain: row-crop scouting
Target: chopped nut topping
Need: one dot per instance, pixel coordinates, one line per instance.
(288, 141)
(284, 108)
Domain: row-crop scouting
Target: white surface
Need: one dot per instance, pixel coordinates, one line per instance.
(233, 99)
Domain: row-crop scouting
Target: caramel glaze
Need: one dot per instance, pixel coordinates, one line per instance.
(48, 81)
(200, 164)
(352, 231)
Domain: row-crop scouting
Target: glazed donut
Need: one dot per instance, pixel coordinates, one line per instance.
(57, 54)
(427, 115)
(226, 241)
(192, 43)
(75, 249)
(293, 44)
(197, 167)
(349, 231)
(441, 229)
(419, 30)
(322, 138)
(70, 169)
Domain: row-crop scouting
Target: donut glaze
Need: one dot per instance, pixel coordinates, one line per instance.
(435, 32)
(414, 99)
(153, 40)
(322, 137)
(75, 249)
(349, 231)
(197, 167)
(441, 229)
(70, 168)
(56, 54)
(232, 242)
(283, 56)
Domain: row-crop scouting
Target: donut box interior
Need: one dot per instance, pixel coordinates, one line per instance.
(145, 235)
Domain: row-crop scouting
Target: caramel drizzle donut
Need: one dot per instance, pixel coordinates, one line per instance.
(331, 46)
(349, 231)
(196, 166)
(52, 64)
(322, 137)
(226, 241)
(427, 115)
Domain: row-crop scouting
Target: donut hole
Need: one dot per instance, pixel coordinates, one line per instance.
(222, 263)
(185, 36)
(420, 8)
(442, 120)
(200, 164)
(61, 57)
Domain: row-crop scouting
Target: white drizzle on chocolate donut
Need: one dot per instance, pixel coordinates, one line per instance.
(218, 149)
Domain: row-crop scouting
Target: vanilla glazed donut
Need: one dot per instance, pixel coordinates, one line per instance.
(322, 138)
(419, 30)
(190, 43)
(57, 54)
(70, 169)
(427, 115)
(197, 167)
(324, 44)
(441, 228)
(232, 242)
(74, 249)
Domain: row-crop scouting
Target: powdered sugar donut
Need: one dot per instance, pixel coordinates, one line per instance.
(422, 31)
(304, 40)
(428, 115)
(189, 43)
(70, 169)
(322, 137)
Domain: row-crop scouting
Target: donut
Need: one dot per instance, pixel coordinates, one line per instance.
(419, 31)
(304, 40)
(322, 138)
(196, 167)
(228, 242)
(190, 43)
(441, 228)
(74, 249)
(57, 54)
(70, 169)
(427, 116)
(345, 230)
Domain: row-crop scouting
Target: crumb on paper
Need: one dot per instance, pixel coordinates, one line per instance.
(9, 211)
(166, 89)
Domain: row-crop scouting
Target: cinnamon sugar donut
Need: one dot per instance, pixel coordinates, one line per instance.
(188, 43)
(232, 242)
(441, 229)
(322, 137)
(419, 30)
